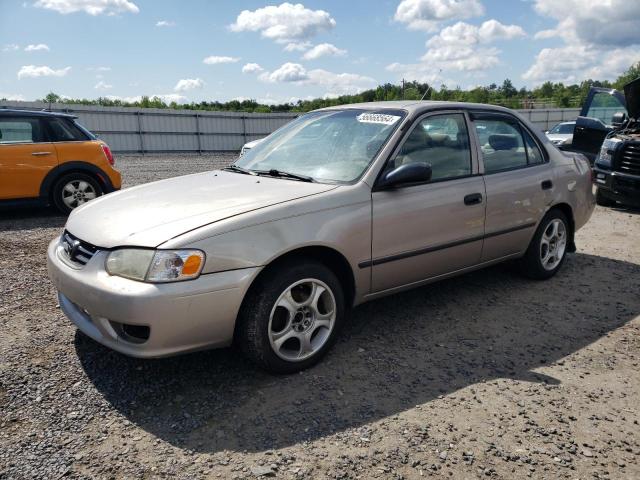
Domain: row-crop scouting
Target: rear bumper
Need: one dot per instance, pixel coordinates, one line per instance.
(618, 186)
(182, 316)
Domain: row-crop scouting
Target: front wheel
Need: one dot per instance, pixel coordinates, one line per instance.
(548, 248)
(290, 319)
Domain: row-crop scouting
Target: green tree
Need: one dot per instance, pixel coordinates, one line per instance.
(630, 74)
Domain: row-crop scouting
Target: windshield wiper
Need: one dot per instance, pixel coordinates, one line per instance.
(280, 174)
(236, 168)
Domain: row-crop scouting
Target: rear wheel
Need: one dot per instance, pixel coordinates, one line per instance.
(290, 319)
(73, 190)
(548, 248)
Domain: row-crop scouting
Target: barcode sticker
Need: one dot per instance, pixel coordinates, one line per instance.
(379, 118)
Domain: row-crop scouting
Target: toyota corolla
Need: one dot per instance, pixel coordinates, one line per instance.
(339, 207)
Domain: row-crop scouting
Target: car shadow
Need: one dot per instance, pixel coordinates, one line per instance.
(393, 354)
(25, 218)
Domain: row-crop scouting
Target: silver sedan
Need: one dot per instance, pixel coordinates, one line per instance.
(338, 207)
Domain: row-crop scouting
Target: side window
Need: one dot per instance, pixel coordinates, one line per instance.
(604, 106)
(501, 144)
(534, 155)
(63, 131)
(20, 130)
(441, 141)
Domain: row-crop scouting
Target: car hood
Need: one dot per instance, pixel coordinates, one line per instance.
(149, 215)
(632, 96)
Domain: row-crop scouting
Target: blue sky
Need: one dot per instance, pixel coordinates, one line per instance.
(192, 50)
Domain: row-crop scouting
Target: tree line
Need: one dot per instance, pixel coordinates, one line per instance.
(547, 95)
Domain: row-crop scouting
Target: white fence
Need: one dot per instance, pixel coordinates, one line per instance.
(148, 130)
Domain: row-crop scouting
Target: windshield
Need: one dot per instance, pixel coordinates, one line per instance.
(566, 128)
(328, 146)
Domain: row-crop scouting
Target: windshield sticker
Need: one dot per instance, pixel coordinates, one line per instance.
(379, 118)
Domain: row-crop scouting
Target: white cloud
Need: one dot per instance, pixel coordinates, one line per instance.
(297, 46)
(187, 84)
(323, 50)
(36, 48)
(11, 47)
(33, 71)
(92, 7)
(132, 99)
(171, 97)
(285, 23)
(215, 60)
(252, 68)
(335, 82)
(16, 97)
(611, 22)
(165, 23)
(102, 86)
(461, 47)
(600, 40)
(99, 69)
(427, 14)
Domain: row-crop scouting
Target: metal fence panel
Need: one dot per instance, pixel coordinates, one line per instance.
(128, 129)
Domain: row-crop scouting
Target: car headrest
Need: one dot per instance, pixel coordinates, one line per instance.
(503, 141)
(418, 140)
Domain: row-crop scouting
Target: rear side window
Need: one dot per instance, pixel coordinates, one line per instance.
(502, 145)
(534, 155)
(64, 131)
(20, 130)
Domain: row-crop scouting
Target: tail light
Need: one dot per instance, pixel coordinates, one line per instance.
(107, 153)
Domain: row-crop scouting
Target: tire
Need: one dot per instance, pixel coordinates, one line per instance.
(548, 248)
(294, 301)
(73, 190)
(603, 201)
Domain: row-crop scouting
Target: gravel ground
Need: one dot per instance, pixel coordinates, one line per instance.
(484, 376)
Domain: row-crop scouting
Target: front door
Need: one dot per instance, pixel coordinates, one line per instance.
(519, 184)
(25, 158)
(426, 230)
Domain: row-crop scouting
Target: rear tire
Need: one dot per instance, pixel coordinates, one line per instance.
(291, 317)
(603, 201)
(73, 190)
(548, 248)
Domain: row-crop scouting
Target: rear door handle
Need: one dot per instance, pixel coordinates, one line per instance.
(473, 199)
(547, 185)
(40, 154)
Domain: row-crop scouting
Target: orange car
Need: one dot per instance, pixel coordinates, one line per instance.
(48, 158)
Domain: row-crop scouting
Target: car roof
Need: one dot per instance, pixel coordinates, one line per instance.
(419, 106)
(33, 113)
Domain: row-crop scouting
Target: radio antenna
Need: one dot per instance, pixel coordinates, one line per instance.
(430, 87)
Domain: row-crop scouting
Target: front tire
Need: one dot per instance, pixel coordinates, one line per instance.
(548, 248)
(73, 190)
(291, 317)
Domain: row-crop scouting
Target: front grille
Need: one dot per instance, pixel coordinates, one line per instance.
(76, 250)
(629, 159)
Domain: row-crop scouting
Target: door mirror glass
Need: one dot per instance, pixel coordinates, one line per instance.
(418, 172)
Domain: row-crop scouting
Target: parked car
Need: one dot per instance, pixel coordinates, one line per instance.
(249, 145)
(608, 131)
(341, 206)
(49, 158)
(561, 133)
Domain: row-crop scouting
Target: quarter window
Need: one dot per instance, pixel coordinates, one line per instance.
(63, 131)
(441, 141)
(20, 130)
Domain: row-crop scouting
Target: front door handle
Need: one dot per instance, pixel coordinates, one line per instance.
(473, 199)
(547, 185)
(40, 154)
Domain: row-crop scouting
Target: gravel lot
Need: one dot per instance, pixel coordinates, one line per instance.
(485, 375)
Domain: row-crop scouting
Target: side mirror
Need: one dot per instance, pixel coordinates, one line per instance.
(404, 174)
(618, 119)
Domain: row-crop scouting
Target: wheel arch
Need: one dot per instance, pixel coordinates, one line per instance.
(46, 187)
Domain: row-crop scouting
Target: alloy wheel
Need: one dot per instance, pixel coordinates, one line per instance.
(553, 244)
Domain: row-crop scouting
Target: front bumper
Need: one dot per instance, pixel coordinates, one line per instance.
(181, 316)
(618, 186)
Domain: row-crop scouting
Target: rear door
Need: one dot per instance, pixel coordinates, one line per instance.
(519, 183)
(425, 230)
(595, 120)
(25, 157)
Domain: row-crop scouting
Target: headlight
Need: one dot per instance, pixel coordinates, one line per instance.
(155, 266)
(606, 152)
